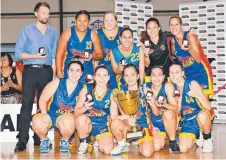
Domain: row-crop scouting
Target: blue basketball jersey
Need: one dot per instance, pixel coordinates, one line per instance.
(100, 111)
(191, 67)
(108, 44)
(190, 106)
(162, 92)
(133, 58)
(60, 102)
(77, 47)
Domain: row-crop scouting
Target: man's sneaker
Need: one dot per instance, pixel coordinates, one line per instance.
(119, 149)
(96, 145)
(64, 145)
(208, 145)
(200, 140)
(83, 148)
(173, 147)
(44, 146)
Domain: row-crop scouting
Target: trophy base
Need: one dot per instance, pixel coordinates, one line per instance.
(137, 134)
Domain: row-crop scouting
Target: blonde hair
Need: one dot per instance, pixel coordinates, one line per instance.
(113, 13)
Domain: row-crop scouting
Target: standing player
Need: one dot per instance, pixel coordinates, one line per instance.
(190, 54)
(78, 40)
(127, 53)
(109, 38)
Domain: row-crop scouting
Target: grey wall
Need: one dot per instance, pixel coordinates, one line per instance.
(10, 26)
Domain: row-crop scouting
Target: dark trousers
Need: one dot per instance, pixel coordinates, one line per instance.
(32, 79)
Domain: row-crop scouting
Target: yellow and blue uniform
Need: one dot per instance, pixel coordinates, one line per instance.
(99, 114)
(108, 44)
(133, 58)
(157, 120)
(142, 116)
(200, 72)
(190, 108)
(77, 47)
(60, 103)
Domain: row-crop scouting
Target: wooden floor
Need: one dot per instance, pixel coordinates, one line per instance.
(219, 133)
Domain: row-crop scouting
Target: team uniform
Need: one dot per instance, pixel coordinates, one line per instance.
(77, 47)
(99, 114)
(108, 44)
(159, 56)
(190, 108)
(60, 103)
(200, 72)
(157, 120)
(142, 116)
(133, 58)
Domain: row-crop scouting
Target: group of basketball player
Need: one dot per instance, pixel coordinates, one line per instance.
(170, 72)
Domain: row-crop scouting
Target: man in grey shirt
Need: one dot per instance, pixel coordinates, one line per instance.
(36, 46)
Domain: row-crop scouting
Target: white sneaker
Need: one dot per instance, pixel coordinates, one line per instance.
(83, 148)
(208, 145)
(119, 149)
(96, 145)
(200, 141)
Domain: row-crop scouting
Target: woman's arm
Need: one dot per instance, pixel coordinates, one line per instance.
(172, 46)
(196, 91)
(151, 101)
(80, 105)
(47, 93)
(194, 48)
(141, 66)
(172, 103)
(61, 48)
(19, 80)
(98, 52)
(114, 65)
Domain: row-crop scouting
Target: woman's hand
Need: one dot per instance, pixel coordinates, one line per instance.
(131, 121)
(88, 105)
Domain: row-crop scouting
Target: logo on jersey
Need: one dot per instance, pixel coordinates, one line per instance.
(96, 113)
(151, 51)
(162, 47)
(64, 109)
(187, 110)
(186, 61)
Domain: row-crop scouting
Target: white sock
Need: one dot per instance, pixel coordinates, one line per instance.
(122, 142)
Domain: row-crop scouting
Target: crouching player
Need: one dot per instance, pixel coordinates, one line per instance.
(163, 110)
(196, 110)
(93, 110)
(121, 123)
(57, 103)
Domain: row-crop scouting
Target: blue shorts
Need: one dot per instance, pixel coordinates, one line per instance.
(100, 129)
(53, 117)
(205, 82)
(190, 127)
(158, 122)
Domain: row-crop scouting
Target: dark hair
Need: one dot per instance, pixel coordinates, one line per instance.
(126, 29)
(177, 64)
(152, 19)
(180, 20)
(77, 60)
(95, 71)
(82, 12)
(159, 67)
(39, 4)
(3, 54)
(129, 65)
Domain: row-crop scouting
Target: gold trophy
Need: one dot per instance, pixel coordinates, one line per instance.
(129, 103)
